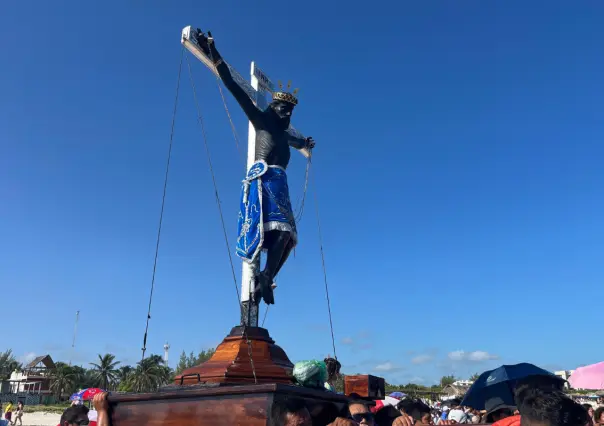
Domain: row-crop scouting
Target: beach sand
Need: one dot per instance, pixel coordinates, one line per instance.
(41, 418)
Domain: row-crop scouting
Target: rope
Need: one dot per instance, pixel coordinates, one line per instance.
(300, 208)
(163, 202)
(265, 314)
(333, 339)
(211, 166)
(224, 231)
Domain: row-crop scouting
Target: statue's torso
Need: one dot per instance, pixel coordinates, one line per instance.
(272, 146)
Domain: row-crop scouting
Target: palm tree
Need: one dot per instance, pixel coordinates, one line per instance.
(123, 373)
(475, 377)
(8, 364)
(82, 378)
(149, 375)
(105, 372)
(63, 378)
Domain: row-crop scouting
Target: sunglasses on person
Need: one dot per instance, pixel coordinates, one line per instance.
(359, 417)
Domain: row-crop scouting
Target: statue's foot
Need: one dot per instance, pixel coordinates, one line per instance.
(264, 289)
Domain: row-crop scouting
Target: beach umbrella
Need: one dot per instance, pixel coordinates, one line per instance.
(588, 377)
(85, 394)
(500, 383)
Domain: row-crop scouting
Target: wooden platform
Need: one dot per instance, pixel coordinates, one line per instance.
(232, 364)
(200, 405)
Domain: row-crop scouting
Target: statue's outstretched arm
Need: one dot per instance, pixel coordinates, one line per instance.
(296, 142)
(300, 142)
(209, 48)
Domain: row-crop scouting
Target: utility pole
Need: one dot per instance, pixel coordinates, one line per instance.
(75, 333)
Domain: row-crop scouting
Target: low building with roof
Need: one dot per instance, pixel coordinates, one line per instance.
(34, 378)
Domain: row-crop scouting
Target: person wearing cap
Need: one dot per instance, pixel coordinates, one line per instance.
(456, 414)
(497, 409)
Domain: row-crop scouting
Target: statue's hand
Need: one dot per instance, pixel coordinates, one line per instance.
(310, 142)
(205, 42)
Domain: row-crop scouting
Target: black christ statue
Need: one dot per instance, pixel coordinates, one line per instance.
(266, 220)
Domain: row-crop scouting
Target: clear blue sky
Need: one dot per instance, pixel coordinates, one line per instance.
(458, 168)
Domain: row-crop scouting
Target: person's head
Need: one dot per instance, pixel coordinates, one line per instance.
(333, 368)
(550, 407)
(283, 106)
(454, 403)
(20, 404)
(534, 382)
(76, 415)
(499, 414)
(590, 409)
(497, 409)
(598, 415)
(416, 409)
(360, 414)
(290, 412)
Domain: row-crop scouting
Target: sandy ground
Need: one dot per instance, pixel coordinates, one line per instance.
(41, 418)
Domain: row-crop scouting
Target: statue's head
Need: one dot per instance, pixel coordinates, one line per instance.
(283, 105)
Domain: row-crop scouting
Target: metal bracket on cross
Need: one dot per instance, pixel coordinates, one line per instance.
(257, 90)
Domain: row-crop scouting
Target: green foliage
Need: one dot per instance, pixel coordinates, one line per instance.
(55, 408)
(475, 377)
(187, 361)
(8, 364)
(447, 380)
(104, 373)
(149, 375)
(63, 380)
(107, 373)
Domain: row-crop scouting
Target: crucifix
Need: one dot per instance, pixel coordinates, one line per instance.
(266, 221)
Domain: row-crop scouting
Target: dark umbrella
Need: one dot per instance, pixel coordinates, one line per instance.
(501, 383)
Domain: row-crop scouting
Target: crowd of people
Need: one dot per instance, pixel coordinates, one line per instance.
(538, 402)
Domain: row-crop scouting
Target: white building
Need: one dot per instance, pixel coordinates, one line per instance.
(564, 374)
(463, 383)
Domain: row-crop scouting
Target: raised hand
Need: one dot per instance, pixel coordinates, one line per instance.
(100, 402)
(403, 420)
(310, 143)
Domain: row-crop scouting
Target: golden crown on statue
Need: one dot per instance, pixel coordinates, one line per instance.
(286, 96)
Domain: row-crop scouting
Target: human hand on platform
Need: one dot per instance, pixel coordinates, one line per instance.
(100, 402)
(310, 142)
(342, 422)
(403, 420)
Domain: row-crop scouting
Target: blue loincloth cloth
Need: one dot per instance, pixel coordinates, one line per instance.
(265, 206)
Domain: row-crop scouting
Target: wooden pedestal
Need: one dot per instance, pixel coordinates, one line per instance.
(200, 405)
(366, 386)
(231, 364)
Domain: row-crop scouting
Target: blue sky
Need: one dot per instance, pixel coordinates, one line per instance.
(458, 171)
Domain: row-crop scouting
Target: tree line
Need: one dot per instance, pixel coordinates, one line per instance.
(107, 373)
(151, 373)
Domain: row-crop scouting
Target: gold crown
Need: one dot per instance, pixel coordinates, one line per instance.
(284, 96)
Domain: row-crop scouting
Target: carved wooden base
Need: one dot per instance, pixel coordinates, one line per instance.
(245, 405)
(231, 364)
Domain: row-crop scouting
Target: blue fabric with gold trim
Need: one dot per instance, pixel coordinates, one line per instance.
(265, 206)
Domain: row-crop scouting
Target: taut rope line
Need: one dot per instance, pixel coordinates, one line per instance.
(163, 202)
(333, 339)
